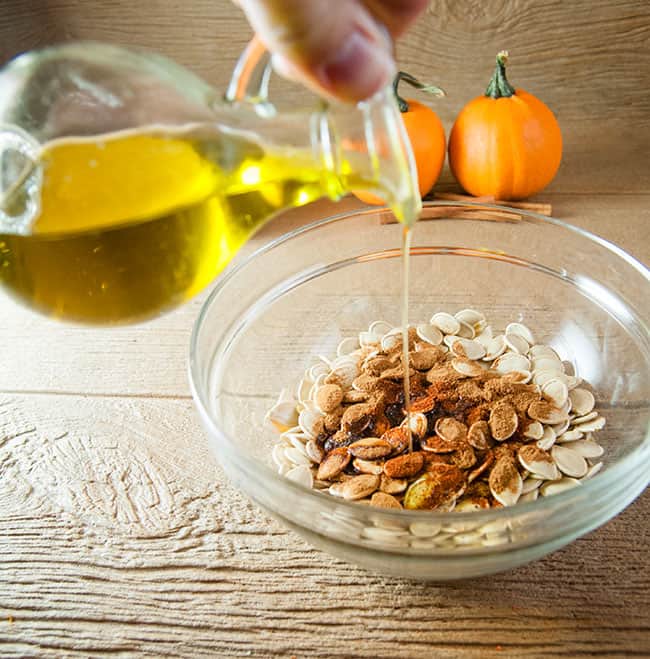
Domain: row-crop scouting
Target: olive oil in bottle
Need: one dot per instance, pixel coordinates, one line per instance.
(134, 223)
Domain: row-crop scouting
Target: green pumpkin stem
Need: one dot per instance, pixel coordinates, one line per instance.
(414, 82)
(499, 86)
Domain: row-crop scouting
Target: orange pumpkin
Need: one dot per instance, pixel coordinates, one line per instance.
(506, 143)
(426, 134)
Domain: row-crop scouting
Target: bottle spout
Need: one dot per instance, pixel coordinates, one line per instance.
(370, 150)
(20, 180)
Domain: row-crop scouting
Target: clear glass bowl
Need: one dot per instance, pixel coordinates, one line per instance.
(297, 297)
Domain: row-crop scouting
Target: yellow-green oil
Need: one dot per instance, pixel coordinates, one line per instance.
(136, 223)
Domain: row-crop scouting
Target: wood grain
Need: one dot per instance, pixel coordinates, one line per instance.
(589, 61)
(87, 570)
(45, 356)
(119, 533)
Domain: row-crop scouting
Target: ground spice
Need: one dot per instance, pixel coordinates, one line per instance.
(478, 428)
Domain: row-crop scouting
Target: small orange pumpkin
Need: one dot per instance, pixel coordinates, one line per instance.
(506, 143)
(426, 134)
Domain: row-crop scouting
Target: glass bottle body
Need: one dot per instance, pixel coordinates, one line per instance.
(127, 186)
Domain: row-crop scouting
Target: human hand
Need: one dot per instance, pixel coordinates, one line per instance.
(339, 48)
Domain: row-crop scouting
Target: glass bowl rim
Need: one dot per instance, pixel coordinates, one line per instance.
(598, 483)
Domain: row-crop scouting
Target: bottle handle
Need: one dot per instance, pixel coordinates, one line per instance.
(250, 78)
(21, 177)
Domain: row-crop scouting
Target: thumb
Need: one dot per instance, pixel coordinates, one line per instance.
(337, 49)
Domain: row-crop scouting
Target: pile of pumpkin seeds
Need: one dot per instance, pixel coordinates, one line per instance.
(529, 431)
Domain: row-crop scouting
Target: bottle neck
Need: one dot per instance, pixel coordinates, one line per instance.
(366, 148)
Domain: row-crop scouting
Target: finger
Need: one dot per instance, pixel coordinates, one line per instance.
(339, 50)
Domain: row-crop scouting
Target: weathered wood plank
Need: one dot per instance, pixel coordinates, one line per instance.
(150, 359)
(118, 532)
(590, 61)
(157, 555)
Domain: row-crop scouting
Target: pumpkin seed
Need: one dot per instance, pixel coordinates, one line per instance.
(370, 448)
(556, 392)
(520, 329)
(511, 361)
(560, 428)
(469, 538)
(369, 339)
(283, 414)
(529, 496)
(548, 364)
(485, 336)
(429, 333)
(546, 413)
(468, 349)
(467, 367)
(424, 529)
(541, 350)
(440, 486)
(368, 466)
(380, 327)
(590, 426)
(297, 456)
(569, 462)
(445, 323)
(531, 484)
(385, 536)
(503, 421)
(466, 331)
(383, 500)
(303, 389)
(516, 342)
(302, 475)
(522, 377)
(314, 451)
(495, 348)
(470, 316)
(542, 377)
(404, 466)
(356, 488)
(570, 436)
(423, 360)
(478, 435)
(593, 470)
(587, 448)
(450, 430)
(392, 485)
(572, 381)
(555, 487)
(468, 506)
(328, 397)
(310, 422)
(576, 421)
(278, 455)
(333, 464)
(346, 346)
(418, 423)
(537, 461)
(534, 430)
(505, 482)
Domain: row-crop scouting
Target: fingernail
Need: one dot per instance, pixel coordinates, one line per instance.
(359, 69)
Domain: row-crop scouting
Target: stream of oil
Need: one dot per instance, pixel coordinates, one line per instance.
(406, 253)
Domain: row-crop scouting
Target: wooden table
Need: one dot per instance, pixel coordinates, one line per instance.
(119, 534)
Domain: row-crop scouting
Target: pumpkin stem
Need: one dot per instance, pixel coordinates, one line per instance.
(414, 82)
(499, 86)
